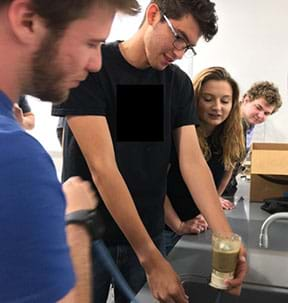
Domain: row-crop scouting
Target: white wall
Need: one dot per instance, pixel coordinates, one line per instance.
(45, 124)
(252, 44)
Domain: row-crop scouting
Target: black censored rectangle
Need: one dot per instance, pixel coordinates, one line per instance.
(140, 113)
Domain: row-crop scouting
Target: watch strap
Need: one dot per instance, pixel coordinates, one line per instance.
(89, 219)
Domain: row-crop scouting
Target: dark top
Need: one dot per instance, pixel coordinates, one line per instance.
(177, 190)
(129, 98)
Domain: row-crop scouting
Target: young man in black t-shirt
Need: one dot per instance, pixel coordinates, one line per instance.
(120, 137)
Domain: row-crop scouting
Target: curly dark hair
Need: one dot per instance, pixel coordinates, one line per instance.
(202, 10)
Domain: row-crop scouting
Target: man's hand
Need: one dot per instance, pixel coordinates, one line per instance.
(79, 195)
(234, 285)
(164, 283)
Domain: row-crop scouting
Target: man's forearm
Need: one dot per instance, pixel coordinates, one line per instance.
(120, 204)
(79, 242)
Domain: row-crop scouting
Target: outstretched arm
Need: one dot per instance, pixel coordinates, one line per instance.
(199, 181)
(93, 136)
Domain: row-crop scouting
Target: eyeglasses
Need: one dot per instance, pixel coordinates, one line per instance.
(179, 42)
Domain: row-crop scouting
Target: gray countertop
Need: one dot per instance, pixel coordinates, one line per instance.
(267, 267)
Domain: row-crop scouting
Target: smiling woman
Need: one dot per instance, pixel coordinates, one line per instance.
(214, 104)
(222, 142)
(217, 98)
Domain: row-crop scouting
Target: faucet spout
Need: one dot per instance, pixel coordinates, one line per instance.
(263, 238)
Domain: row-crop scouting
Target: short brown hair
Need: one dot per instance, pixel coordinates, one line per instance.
(266, 90)
(58, 14)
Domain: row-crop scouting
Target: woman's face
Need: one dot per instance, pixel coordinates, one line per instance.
(214, 104)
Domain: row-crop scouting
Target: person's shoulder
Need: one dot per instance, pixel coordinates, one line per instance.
(174, 68)
(8, 125)
(177, 72)
(23, 157)
(178, 77)
(110, 45)
(110, 48)
(21, 146)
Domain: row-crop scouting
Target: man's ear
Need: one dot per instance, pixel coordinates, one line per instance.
(25, 24)
(246, 99)
(153, 14)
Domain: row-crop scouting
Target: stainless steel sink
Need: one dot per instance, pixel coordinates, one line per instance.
(198, 290)
(266, 280)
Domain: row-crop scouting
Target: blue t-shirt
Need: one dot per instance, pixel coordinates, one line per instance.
(35, 265)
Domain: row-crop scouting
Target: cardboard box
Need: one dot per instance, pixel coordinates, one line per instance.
(269, 171)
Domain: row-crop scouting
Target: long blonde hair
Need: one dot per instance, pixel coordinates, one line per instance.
(229, 134)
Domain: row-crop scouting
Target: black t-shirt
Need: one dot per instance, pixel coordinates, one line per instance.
(177, 190)
(142, 162)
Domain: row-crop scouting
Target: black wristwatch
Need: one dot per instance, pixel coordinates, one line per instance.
(89, 219)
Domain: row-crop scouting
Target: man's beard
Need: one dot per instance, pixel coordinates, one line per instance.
(46, 72)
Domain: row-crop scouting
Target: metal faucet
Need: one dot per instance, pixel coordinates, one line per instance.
(263, 238)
